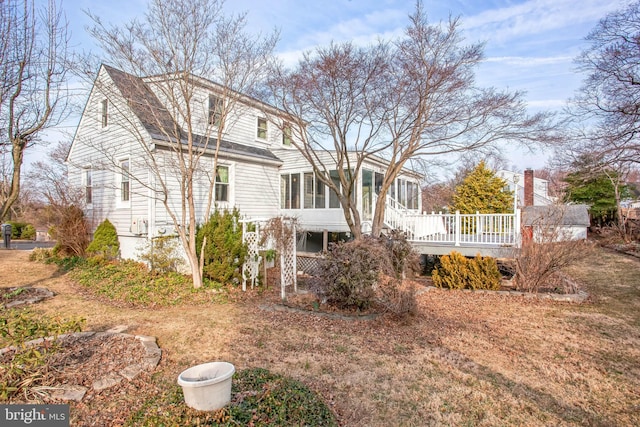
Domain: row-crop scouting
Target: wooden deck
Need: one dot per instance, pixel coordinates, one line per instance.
(496, 235)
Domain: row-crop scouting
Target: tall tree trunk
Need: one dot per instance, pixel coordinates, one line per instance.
(17, 154)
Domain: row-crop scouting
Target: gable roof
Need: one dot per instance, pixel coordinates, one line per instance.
(156, 119)
(552, 215)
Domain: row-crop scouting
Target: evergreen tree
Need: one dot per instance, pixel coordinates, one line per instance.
(482, 191)
(597, 191)
(224, 252)
(105, 241)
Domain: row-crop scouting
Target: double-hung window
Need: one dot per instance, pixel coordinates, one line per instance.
(262, 128)
(314, 191)
(286, 136)
(290, 191)
(125, 189)
(222, 184)
(88, 186)
(215, 110)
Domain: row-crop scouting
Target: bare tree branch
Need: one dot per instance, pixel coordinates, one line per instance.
(33, 95)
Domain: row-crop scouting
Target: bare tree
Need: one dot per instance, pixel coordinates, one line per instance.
(60, 205)
(547, 252)
(606, 109)
(335, 94)
(33, 95)
(48, 178)
(402, 100)
(187, 46)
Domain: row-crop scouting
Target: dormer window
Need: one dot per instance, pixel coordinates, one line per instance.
(262, 128)
(286, 136)
(215, 110)
(105, 115)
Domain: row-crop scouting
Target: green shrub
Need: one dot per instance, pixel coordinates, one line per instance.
(161, 254)
(16, 228)
(349, 273)
(28, 232)
(105, 241)
(457, 272)
(224, 252)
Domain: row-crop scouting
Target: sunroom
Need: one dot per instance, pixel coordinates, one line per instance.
(318, 210)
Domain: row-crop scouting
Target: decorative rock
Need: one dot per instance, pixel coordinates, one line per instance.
(73, 392)
(106, 382)
(132, 371)
(43, 293)
(118, 329)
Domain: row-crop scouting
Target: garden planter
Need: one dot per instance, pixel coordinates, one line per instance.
(207, 387)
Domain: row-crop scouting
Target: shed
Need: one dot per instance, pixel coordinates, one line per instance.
(557, 222)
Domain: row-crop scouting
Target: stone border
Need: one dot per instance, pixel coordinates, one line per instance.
(580, 297)
(153, 353)
(44, 293)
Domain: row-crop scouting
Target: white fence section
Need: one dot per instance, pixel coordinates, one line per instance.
(251, 266)
(286, 247)
(288, 261)
(455, 229)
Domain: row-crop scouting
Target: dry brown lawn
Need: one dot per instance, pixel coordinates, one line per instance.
(466, 359)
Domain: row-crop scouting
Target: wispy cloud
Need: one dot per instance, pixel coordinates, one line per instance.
(534, 17)
(361, 30)
(526, 61)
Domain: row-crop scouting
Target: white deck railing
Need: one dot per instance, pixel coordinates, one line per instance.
(456, 229)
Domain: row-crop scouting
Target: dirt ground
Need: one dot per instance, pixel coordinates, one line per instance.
(465, 359)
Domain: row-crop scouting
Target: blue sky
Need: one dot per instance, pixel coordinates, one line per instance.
(529, 44)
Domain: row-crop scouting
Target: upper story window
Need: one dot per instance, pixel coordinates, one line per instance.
(215, 110)
(222, 184)
(125, 193)
(286, 136)
(262, 128)
(88, 186)
(105, 113)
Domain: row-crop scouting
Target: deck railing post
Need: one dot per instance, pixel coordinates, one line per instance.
(516, 228)
(458, 227)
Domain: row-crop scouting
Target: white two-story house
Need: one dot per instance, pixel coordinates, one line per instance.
(125, 159)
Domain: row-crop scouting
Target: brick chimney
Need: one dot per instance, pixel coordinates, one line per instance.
(528, 187)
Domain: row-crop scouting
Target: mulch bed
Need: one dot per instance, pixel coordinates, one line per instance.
(81, 361)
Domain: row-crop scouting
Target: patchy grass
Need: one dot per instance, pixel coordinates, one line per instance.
(464, 359)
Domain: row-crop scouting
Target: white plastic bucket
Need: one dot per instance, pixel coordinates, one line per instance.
(207, 387)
